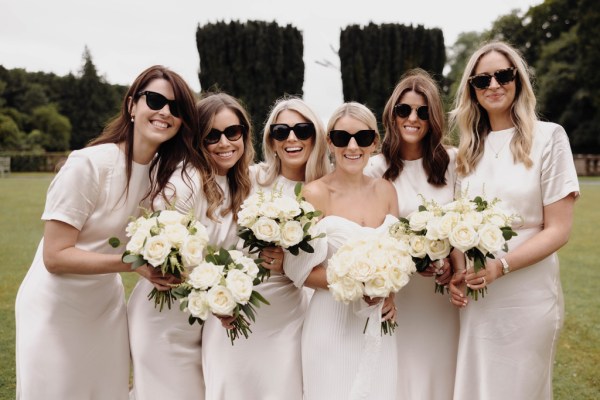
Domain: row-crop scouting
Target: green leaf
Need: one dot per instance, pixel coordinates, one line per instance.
(114, 242)
(298, 189)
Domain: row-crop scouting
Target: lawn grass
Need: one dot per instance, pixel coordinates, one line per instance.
(577, 366)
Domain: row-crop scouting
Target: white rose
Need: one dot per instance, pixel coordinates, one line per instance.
(288, 207)
(447, 222)
(132, 227)
(192, 250)
(361, 269)
(221, 300)
(438, 249)
(495, 217)
(171, 217)
(198, 304)
(199, 231)
(136, 243)
(378, 285)
(156, 250)
(266, 229)
(417, 246)
(339, 264)
(418, 220)
(490, 239)
(176, 233)
(240, 286)
(346, 289)
(147, 224)
(472, 218)
(306, 206)
(205, 275)
(463, 237)
(235, 255)
(269, 209)
(399, 276)
(291, 234)
(247, 216)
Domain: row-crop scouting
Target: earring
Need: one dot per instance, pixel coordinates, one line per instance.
(132, 118)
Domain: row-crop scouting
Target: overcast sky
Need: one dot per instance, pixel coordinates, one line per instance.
(126, 36)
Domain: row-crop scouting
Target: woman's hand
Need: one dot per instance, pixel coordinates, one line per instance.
(273, 257)
(485, 276)
(388, 310)
(226, 321)
(154, 275)
(458, 289)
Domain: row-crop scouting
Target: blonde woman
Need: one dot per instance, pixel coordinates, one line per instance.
(508, 339)
(336, 361)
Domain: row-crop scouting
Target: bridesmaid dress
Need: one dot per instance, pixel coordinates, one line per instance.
(71, 329)
(508, 338)
(165, 349)
(427, 333)
(338, 360)
(267, 365)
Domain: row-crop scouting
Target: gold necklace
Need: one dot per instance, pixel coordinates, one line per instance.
(501, 147)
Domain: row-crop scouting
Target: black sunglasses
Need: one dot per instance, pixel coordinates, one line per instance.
(232, 133)
(156, 101)
(503, 77)
(363, 138)
(302, 130)
(404, 110)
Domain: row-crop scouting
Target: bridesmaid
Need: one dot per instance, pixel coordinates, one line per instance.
(165, 349)
(415, 161)
(267, 365)
(338, 360)
(508, 339)
(71, 338)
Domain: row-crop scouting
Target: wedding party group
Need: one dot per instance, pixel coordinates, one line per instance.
(348, 264)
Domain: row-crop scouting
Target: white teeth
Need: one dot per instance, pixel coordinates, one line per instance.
(225, 154)
(411, 128)
(353, 157)
(293, 149)
(160, 124)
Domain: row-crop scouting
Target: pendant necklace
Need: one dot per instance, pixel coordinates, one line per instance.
(496, 153)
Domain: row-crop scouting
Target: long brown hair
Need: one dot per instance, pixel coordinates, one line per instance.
(435, 156)
(170, 153)
(238, 177)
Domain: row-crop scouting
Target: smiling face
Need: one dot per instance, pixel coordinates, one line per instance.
(351, 158)
(412, 129)
(153, 127)
(292, 152)
(225, 154)
(496, 99)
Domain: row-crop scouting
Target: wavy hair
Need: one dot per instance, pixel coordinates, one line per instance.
(170, 153)
(317, 164)
(238, 176)
(472, 120)
(435, 156)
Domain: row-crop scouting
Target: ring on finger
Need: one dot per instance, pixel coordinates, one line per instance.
(483, 281)
(272, 261)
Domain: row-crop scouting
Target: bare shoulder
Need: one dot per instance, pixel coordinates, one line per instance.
(316, 193)
(384, 187)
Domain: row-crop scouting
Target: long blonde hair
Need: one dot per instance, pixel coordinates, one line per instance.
(473, 122)
(317, 164)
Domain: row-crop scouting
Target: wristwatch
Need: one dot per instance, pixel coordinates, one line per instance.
(505, 267)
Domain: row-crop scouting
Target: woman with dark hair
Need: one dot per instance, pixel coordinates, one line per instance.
(71, 338)
(167, 351)
(508, 339)
(414, 159)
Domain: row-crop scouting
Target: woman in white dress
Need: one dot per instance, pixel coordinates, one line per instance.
(508, 338)
(267, 365)
(336, 361)
(415, 161)
(166, 350)
(71, 337)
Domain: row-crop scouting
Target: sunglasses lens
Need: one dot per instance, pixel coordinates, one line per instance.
(365, 138)
(280, 132)
(234, 132)
(213, 136)
(423, 113)
(156, 101)
(339, 138)
(505, 76)
(402, 110)
(304, 131)
(481, 81)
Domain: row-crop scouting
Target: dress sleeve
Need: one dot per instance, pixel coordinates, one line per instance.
(181, 192)
(376, 166)
(74, 192)
(297, 268)
(559, 177)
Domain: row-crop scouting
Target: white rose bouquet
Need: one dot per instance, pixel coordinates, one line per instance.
(167, 240)
(374, 266)
(223, 285)
(479, 228)
(274, 219)
(423, 232)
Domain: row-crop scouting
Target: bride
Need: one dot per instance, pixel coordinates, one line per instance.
(334, 361)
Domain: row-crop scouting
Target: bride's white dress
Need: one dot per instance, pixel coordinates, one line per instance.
(338, 360)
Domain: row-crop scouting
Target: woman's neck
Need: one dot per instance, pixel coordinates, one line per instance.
(293, 174)
(500, 122)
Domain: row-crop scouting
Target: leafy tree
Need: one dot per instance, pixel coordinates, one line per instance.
(256, 61)
(11, 138)
(55, 129)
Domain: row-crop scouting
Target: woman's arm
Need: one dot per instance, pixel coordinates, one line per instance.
(317, 278)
